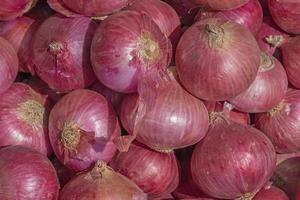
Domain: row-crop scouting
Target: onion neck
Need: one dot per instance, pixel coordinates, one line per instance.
(32, 112)
(277, 109)
(70, 136)
(248, 196)
(266, 62)
(215, 35)
(275, 40)
(55, 47)
(99, 170)
(216, 117)
(148, 49)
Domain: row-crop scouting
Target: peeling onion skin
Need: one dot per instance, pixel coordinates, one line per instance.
(61, 56)
(233, 161)
(26, 174)
(24, 118)
(82, 127)
(222, 5)
(281, 124)
(217, 59)
(11, 9)
(271, 193)
(286, 14)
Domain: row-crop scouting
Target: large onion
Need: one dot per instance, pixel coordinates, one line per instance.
(267, 90)
(82, 127)
(154, 172)
(11, 9)
(62, 55)
(270, 193)
(101, 183)
(217, 59)
(24, 118)
(117, 61)
(222, 5)
(26, 175)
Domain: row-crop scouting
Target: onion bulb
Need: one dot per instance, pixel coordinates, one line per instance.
(272, 193)
(11, 9)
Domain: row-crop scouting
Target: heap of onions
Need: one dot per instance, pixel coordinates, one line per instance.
(101, 183)
(118, 62)
(154, 172)
(222, 5)
(249, 15)
(282, 123)
(286, 14)
(217, 59)
(267, 90)
(82, 128)
(270, 192)
(11, 9)
(26, 174)
(62, 55)
(24, 118)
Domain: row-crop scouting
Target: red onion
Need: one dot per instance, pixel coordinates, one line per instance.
(249, 15)
(24, 118)
(61, 56)
(233, 161)
(223, 52)
(26, 175)
(117, 61)
(286, 14)
(101, 183)
(95, 8)
(11, 9)
(82, 127)
(154, 172)
(282, 123)
(222, 5)
(8, 66)
(267, 90)
(272, 193)
(64, 174)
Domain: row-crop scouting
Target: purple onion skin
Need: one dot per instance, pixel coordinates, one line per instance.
(10, 10)
(233, 161)
(87, 116)
(26, 174)
(271, 193)
(221, 5)
(61, 56)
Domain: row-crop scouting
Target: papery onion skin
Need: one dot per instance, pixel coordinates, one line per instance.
(101, 183)
(12, 9)
(222, 5)
(233, 161)
(249, 15)
(82, 127)
(271, 192)
(26, 174)
(24, 118)
(267, 90)
(281, 124)
(286, 15)
(213, 48)
(154, 172)
(63, 173)
(117, 62)
(61, 56)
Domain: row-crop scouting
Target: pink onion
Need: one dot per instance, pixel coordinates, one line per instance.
(222, 5)
(64, 174)
(249, 15)
(154, 172)
(82, 127)
(286, 14)
(267, 90)
(117, 61)
(282, 123)
(233, 161)
(26, 174)
(61, 55)
(223, 52)
(101, 183)
(24, 118)
(272, 193)
(11, 9)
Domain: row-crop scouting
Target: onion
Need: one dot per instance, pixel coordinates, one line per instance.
(26, 174)
(249, 15)
(11, 9)
(95, 8)
(222, 5)
(117, 61)
(24, 118)
(101, 183)
(223, 52)
(270, 192)
(82, 127)
(154, 172)
(61, 56)
(64, 174)
(233, 161)
(286, 14)
(267, 90)
(282, 123)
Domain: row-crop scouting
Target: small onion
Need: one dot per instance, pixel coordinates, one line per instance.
(26, 175)
(224, 53)
(270, 193)
(24, 118)
(11, 9)
(267, 90)
(249, 15)
(286, 14)
(101, 183)
(64, 174)
(222, 5)
(82, 127)
(282, 123)
(61, 55)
